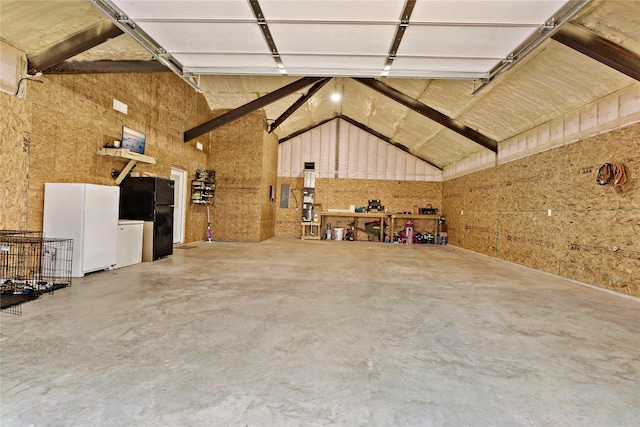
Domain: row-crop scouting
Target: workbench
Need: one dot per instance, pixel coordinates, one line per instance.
(414, 217)
(356, 215)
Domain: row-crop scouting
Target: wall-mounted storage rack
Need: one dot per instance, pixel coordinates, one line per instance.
(203, 187)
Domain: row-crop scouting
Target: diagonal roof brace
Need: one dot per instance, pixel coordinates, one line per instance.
(299, 103)
(430, 113)
(249, 107)
(72, 46)
(596, 47)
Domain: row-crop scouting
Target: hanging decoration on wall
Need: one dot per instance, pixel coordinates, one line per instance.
(612, 174)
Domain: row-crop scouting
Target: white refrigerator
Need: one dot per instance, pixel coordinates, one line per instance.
(88, 214)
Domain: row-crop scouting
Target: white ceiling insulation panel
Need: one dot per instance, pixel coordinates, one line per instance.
(531, 12)
(332, 10)
(438, 67)
(329, 61)
(462, 42)
(361, 39)
(444, 39)
(331, 65)
(141, 10)
(226, 63)
(207, 37)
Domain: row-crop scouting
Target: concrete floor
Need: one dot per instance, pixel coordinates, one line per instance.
(288, 332)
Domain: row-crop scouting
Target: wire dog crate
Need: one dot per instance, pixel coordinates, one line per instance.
(31, 265)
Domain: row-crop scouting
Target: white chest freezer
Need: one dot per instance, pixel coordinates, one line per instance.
(129, 242)
(88, 214)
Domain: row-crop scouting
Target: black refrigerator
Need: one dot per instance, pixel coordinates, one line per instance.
(151, 200)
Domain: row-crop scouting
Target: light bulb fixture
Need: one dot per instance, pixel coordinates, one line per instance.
(335, 97)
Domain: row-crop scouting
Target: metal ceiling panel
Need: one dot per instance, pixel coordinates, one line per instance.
(143, 10)
(466, 68)
(531, 12)
(462, 42)
(225, 63)
(360, 39)
(207, 37)
(333, 65)
(342, 38)
(333, 10)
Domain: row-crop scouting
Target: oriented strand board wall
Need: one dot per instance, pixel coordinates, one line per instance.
(587, 220)
(269, 179)
(244, 160)
(396, 196)
(15, 140)
(61, 124)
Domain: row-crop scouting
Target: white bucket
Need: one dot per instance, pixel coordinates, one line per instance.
(337, 232)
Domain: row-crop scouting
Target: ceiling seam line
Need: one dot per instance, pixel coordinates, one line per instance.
(266, 33)
(401, 27)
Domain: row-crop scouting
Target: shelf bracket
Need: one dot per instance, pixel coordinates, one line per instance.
(126, 171)
(123, 154)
